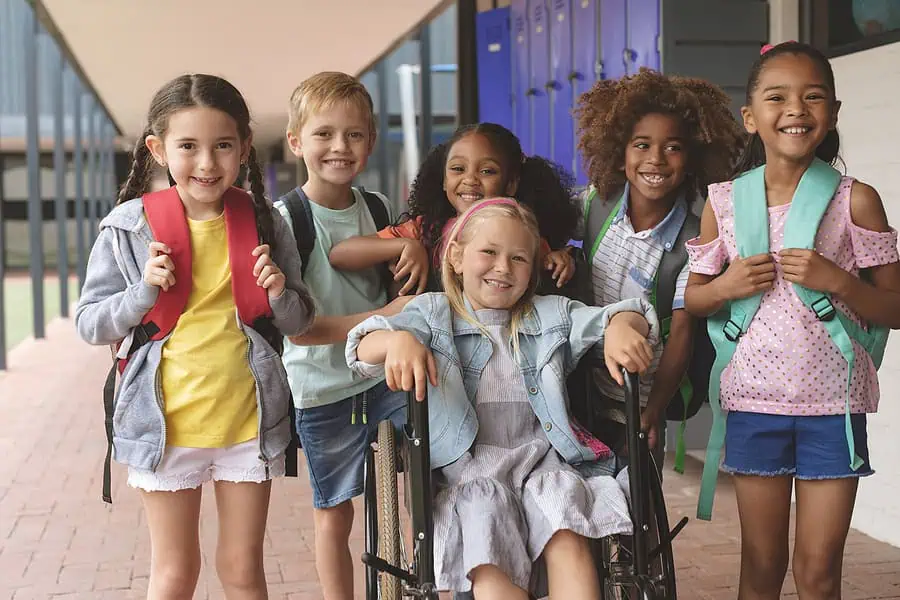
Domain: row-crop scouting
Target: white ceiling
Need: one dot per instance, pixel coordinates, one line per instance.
(129, 48)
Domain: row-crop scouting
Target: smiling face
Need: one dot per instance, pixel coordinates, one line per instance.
(495, 263)
(203, 152)
(335, 143)
(474, 171)
(656, 158)
(792, 108)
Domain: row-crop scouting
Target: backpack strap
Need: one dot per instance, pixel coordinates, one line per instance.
(662, 299)
(251, 300)
(598, 218)
(304, 229)
(725, 327)
(377, 205)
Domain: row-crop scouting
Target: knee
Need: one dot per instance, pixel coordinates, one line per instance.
(334, 523)
(174, 578)
(817, 573)
(764, 571)
(240, 568)
(565, 548)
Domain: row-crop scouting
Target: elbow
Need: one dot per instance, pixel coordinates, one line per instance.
(338, 257)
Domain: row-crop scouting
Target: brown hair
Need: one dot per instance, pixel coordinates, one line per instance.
(462, 233)
(324, 90)
(188, 91)
(608, 113)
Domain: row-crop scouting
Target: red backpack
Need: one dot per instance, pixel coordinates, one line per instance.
(165, 215)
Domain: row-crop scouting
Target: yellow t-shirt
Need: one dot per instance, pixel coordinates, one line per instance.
(208, 389)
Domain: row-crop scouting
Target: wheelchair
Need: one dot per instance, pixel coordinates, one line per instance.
(400, 561)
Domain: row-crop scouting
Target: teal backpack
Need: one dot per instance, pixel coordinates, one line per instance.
(598, 216)
(809, 204)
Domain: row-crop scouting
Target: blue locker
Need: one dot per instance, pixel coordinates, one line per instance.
(613, 37)
(585, 61)
(643, 34)
(562, 124)
(521, 73)
(539, 49)
(494, 54)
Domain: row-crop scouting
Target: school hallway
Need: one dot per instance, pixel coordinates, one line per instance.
(59, 540)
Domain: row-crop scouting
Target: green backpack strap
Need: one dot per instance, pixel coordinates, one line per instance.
(662, 298)
(598, 218)
(729, 324)
(811, 200)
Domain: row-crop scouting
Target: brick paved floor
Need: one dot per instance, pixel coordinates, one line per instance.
(59, 540)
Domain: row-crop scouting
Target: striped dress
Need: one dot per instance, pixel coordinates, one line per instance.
(503, 500)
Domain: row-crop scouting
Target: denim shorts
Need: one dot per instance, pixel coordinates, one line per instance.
(335, 439)
(806, 447)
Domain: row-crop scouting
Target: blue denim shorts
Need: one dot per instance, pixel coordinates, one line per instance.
(334, 440)
(807, 447)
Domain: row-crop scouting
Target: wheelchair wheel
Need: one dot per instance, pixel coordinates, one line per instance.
(388, 512)
(616, 561)
(662, 559)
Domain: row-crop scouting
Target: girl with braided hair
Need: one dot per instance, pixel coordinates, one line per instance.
(652, 143)
(210, 399)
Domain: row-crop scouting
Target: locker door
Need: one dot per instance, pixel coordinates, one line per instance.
(585, 62)
(494, 75)
(719, 46)
(562, 125)
(539, 42)
(613, 37)
(643, 35)
(521, 73)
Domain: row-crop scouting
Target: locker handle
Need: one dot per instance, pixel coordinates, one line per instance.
(553, 85)
(576, 75)
(532, 92)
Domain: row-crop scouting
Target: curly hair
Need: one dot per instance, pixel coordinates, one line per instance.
(608, 113)
(542, 186)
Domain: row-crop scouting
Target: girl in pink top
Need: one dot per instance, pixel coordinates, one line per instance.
(785, 387)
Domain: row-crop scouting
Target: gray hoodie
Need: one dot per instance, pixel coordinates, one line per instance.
(115, 299)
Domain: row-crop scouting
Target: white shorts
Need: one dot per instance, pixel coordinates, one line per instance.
(189, 468)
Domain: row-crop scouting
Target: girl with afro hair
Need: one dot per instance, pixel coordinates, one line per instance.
(652, 144)
(478, 162)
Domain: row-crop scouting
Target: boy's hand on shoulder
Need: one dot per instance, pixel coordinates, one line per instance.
(562, 264)
(626, 345)
(409, 365)
(267, 273)
(159, 270)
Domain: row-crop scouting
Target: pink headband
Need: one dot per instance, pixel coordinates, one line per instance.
(768, 47)
(479, 206)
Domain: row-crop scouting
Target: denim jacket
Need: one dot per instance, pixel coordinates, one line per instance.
(553, 337)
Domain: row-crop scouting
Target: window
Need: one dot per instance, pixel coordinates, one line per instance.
(843, 26)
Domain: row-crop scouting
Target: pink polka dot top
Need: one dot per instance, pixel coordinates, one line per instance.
(786, 363)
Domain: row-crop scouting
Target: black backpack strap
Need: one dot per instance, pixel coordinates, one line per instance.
(671, 265)
(109, 393)
(377, 209)
(297, 205)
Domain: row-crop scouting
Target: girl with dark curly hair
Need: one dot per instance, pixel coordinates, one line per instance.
(652, 144)
(478, 162)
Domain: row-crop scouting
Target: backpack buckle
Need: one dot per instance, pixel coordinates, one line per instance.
(732, 331)
(823, 308)
(142, 335)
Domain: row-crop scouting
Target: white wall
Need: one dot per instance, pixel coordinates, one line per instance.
(868, 83)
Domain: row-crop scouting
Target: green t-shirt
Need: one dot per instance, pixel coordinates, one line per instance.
(319, 375)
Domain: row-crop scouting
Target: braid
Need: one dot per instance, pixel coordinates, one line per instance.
(264, 223)
(136, 183)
